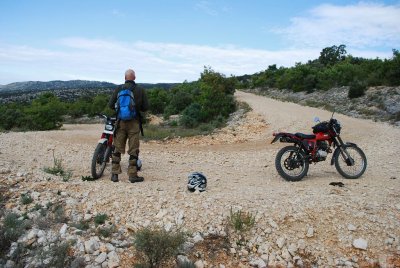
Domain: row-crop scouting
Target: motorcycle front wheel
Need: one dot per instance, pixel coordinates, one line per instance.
(100, 159)
(354, 166)
(291, 163)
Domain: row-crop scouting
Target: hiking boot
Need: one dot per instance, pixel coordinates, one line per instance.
(114, 177)
(134, 179)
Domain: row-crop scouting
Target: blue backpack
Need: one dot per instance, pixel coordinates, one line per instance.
(125, 105)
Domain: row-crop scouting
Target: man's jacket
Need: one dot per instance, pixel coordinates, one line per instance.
(141, 102)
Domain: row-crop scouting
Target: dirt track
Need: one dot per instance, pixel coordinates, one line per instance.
(239, 165)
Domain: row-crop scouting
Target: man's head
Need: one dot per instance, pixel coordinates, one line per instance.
(130, 75)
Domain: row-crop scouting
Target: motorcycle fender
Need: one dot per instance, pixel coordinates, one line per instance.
(103, 141)
(277, 137)
(337, 151)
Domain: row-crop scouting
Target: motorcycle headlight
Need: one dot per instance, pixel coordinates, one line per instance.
(109, 127)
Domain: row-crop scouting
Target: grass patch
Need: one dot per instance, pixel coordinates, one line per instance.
(160, 132)
(243, 105)
(100, 219)
(58, 169)
(157, 246)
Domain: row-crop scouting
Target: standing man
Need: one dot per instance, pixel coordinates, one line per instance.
(128, 128)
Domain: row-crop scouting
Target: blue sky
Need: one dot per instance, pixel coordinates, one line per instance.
(172, 40)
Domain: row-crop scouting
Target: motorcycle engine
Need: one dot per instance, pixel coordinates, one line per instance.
(322, 150)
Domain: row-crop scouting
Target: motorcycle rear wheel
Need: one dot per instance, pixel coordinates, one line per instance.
(357, 169)
(291, 163)
(100, 159)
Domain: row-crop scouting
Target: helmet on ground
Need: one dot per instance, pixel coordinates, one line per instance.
(197, 181)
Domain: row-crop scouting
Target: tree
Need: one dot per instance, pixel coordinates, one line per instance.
(45, 113)
(216, 95)
(158, 100)
(332, 55)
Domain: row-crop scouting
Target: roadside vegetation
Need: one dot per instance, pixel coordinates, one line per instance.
(193, 108)
(333, 68)
(200, 107)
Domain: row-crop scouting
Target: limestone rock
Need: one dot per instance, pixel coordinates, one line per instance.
(360, 243)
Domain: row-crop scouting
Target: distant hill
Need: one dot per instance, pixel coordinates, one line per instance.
(57, 84)
(66, 90)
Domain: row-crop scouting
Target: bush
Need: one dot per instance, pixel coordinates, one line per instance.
(158, 245)
(10, 230)
(241, 221)
(106, 231)
(44, 113)
(58, 254)
(81, 225)
(191, 115)
(59, 214)
(26, 199)
(356, 90)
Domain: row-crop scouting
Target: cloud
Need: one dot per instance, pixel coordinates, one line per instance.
(363, 25)
(107, 60)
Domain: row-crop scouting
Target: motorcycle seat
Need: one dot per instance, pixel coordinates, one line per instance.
(304, 136)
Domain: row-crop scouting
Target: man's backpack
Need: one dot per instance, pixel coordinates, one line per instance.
(125, 105)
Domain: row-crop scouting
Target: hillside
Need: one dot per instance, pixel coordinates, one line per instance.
(66, 90)
(305, 224)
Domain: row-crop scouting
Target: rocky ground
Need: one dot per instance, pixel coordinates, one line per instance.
(305, 224)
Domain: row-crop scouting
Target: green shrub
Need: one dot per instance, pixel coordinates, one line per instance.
(26, 199)
(157, 245)
(88, 178)
(59, 214)
(100, 219)
(191, 115)
(11, 229)
(356, 90)
(241, 221)
(44, 113)
(58, 169)
(106, 231)
(57, 254)
(81, 225)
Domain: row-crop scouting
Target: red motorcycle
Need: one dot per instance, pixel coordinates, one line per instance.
(292, 162)
(104, 148)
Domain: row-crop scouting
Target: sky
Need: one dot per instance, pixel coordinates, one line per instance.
(173, 40)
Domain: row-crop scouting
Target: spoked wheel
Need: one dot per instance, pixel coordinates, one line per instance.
(291, 163)
(352, 165)
(100, 159)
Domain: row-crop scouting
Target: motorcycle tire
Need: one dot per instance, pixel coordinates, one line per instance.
(359, 160)
(100, 159)
(291, 163)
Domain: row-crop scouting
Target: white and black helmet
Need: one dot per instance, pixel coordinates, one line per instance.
(197, 181)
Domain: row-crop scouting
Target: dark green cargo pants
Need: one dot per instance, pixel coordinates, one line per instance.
(126, 131)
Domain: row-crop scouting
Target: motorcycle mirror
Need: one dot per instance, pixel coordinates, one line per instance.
(316, 119)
